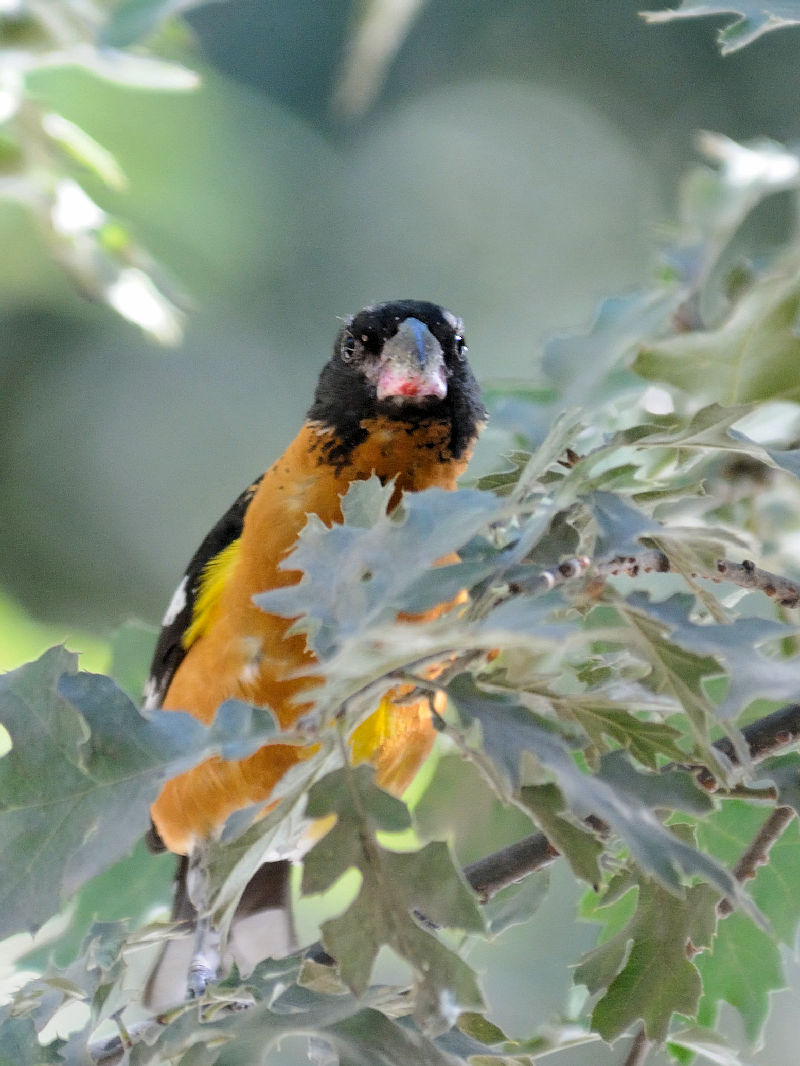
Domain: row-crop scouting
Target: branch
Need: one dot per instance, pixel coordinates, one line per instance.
(764, 737)
(745, 574)
(748, 576)
(639, 1049)
(757, 853)
(502, 868)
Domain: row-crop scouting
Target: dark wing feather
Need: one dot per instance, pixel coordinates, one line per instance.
(170, 651)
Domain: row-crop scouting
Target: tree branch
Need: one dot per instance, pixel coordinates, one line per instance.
(745, 574)
(502, 868)
(757, 852)
(639, 1049)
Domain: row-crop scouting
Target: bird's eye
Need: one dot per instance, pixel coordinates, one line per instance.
(348, 347)
(461, 346)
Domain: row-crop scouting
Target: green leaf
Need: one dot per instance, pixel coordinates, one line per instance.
(751, 357)
(743, 968)
(84, 149)
(671, 790)
(752, 18)
(710, 1046)
(657, 978)
(677, 670)
(580, 365)
(396, 887)
(19, 1045)
(744, 965)
(620, 525)
(579, 847)
(356, 1033)
(340, 848)
(518, 903)
(481, 1029)
(708, 431)
(126, 890)
(369, 1038)
(445, 985)
(728, 832)
(130, 71)
(83, 769)
(647, 741)
(503, 481)
(752, 674)
(366, 502)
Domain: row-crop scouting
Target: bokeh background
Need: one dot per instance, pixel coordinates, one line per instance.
(516, 165)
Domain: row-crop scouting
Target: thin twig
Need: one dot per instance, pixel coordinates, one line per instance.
(744, 574)
(749, 576)
(757, 852)
(545, 580)
(647, 561)
(639, 1049)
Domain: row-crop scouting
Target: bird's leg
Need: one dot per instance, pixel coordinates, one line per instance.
(204, 967)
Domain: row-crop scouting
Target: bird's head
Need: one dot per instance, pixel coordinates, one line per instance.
(405, 361)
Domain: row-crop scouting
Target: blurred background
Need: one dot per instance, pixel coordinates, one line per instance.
(516, 166)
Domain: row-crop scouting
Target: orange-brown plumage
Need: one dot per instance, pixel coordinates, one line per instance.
(246, 652)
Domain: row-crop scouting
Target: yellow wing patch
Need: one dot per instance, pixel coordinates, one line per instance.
(213, 580)
(396, 738)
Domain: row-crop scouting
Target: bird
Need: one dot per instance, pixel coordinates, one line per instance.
(396, 399)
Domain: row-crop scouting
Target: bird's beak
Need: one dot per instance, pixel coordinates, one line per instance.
(412, 364)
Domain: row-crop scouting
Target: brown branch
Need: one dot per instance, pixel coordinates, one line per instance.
(757, 852)
(639, 1049)
(502, 868)
(764, 737)
(649, 560)
(749, 576)
(545, 580)
(745, 574)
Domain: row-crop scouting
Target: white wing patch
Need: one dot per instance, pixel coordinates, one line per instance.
(151, 695)
(177, 603)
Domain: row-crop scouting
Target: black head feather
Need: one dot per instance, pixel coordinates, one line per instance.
(346, 393)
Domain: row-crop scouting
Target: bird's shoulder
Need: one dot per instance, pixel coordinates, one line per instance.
(179, 626)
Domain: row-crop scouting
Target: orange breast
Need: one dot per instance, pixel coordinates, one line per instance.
(245, 653)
